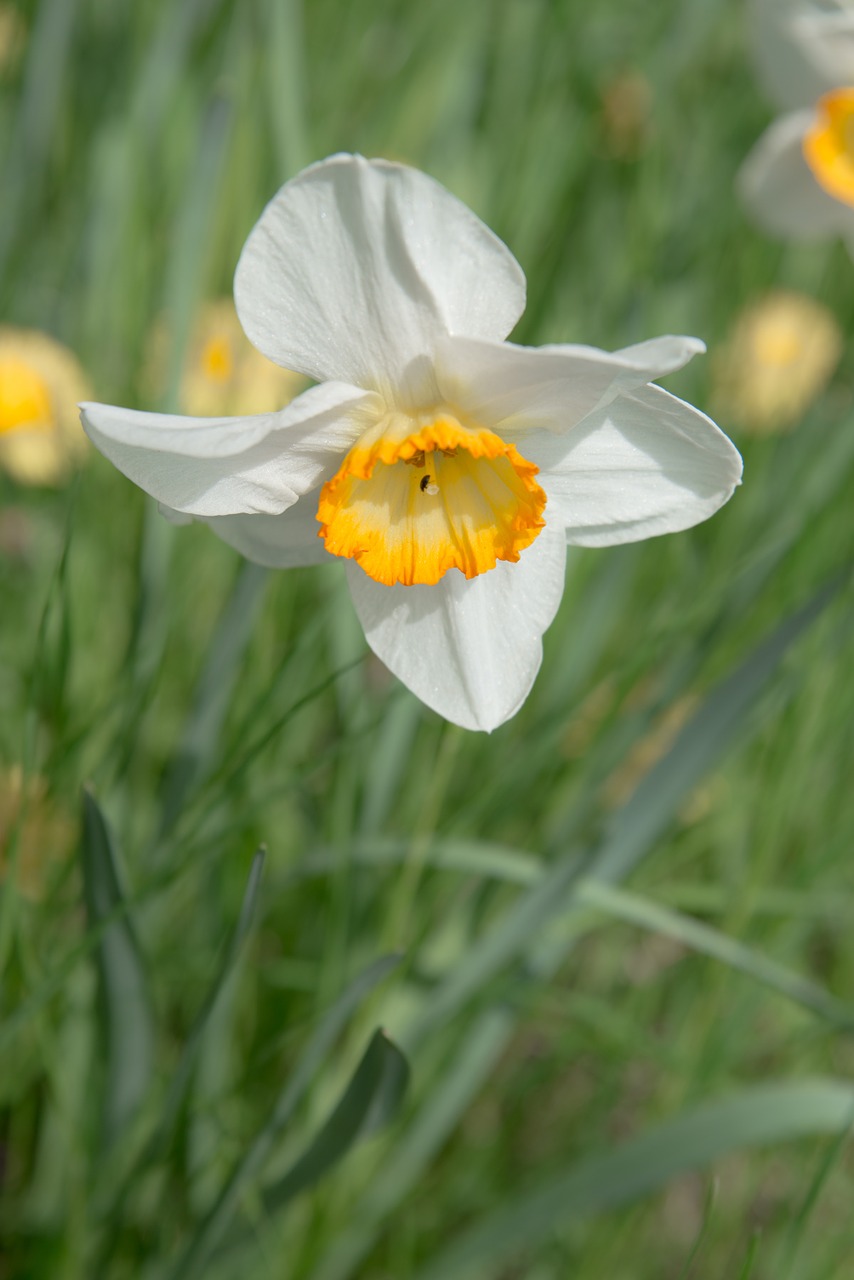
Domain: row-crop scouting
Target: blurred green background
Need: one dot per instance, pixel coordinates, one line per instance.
(622, 922)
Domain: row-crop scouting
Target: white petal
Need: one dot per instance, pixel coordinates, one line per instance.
(827, 40)
(791, 67)
(469, 649)
(778, 186)
(357, 266)
(656, 357)
(225, 466)
(279, 542)
(646, 464)
(171, 516)
(515, 389)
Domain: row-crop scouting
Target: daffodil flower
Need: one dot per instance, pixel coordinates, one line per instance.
(798, 181)
(776, 361)
(448, 469)
(40, 380)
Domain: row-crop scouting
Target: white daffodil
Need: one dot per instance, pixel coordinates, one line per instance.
(798, 181)
(447, 468)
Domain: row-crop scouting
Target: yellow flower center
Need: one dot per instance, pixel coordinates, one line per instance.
(778, 345)
(414, 499)
(217, 361)
(24, 397)
(829, 145)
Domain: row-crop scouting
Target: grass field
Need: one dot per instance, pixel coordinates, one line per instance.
(609, 945)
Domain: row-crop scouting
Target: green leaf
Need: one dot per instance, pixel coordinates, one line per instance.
(752, 1117)
(370, 1100)
(200, 737)
(469, 857)
(790, 1251)
(285, 85)
(698, 748)
(490, 953)
(125, 1004)
(706, 940)
(702, 742)
(183, 1074)
(158, 1143)
(428, 1130)
(216, 1222)
(185, 274)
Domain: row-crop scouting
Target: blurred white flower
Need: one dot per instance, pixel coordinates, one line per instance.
(448, 468)
(798, 181)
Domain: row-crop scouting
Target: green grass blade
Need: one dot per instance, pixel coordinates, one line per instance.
(697, 749)
(790, 1253)
(702, 742)
(123, 985)
(468, 857)
(192, 236)
(41, 102)
(750, 1260)
(702, 1234)
(201, 733)
(286, 68)
(436, 1119)
(504, 942)
(752, 1117)
(217, 1221)
(708, 941)
(370, 1100)
(158, 1143)
(189, 1056)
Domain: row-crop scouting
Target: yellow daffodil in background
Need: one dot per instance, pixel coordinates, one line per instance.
(223, 372)
(799, 179)
(448, 469)
(41, 383)
(777, 360)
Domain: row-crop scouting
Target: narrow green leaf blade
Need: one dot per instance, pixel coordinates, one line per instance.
(217, 1221)
(201, 732)
(371, 1098)
(706, 940)
(702, 742)
(183, 1074)
(158, 1143)
(752, 1117)
(123, 986)
(429, 1128)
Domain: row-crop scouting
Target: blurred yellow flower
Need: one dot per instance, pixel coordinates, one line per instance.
(44, 837)
(223, 373)
(778, 358)
(41, 382)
